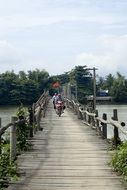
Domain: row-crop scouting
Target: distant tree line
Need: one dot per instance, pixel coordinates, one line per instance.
(23, 87)
(82, 77)
(116, 85)
(26, 87)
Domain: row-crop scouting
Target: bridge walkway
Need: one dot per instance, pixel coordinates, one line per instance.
(66, 155)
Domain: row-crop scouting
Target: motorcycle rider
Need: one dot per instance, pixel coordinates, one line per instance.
(60, 98)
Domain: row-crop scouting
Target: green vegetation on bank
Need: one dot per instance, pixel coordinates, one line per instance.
(27, 87)
(119, 160)
(116, 85)
(23, 87)
(8, 168)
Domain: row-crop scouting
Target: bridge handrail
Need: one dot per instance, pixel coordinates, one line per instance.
(33, 119)
(110, 121)
(39, 108)
(97, 122)
(118, 125)
(88, 113)
(3, 129)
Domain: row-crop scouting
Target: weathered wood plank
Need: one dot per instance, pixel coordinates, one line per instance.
(67, 155)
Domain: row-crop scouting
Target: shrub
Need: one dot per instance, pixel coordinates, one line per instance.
(119, 160)
(7, 168)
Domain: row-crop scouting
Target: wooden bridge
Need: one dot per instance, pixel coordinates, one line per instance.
(66, 155)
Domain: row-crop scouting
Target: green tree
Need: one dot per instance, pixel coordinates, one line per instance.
(40, 77)
(109, 81)
(7, 81)
(82, 78)
(22, 87)
(119, 88)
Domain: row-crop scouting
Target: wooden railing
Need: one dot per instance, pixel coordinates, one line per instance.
(39, 109)
(98, 123)
(35, 112)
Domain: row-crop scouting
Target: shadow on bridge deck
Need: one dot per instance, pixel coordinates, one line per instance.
(66, 155)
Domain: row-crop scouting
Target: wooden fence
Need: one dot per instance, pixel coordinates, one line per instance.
(99, 124)
(35, 112)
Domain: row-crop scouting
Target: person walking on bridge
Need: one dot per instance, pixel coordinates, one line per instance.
(54, 100)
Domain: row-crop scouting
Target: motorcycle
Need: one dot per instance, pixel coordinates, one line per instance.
(59, 107)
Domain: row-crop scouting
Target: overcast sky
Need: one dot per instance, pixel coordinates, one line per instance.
(57, 35)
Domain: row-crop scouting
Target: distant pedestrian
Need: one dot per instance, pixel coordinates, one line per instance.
(54, 98)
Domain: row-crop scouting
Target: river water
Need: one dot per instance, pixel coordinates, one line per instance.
(6, 112)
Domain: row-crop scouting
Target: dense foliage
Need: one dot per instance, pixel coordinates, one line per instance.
(7, 168)
(22, 130)
(81, 78)
(22, 87)
(119, 160)
(27, 87)
(116, 85)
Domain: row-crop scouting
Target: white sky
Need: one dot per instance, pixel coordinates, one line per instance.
(57, 35)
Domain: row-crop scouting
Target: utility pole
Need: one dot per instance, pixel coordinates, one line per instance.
(76, 91)
(94, 89)
(94, 86)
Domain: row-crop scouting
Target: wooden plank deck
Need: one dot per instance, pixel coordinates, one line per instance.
(67, 155)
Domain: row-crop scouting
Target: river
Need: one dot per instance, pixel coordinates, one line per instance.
(7, 111)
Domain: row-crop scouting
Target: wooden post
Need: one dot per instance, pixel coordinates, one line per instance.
(84, 116)
(31, 119)
(0, 137)
(38, 116)
(13, 139)
(67, 103)
(89, 117)
(116, 132)
(80, 115)
(104, 126)
(34, 118)
(98, 128)
(44, 107)
(74, 108)
(33, 108)
(78, 112)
